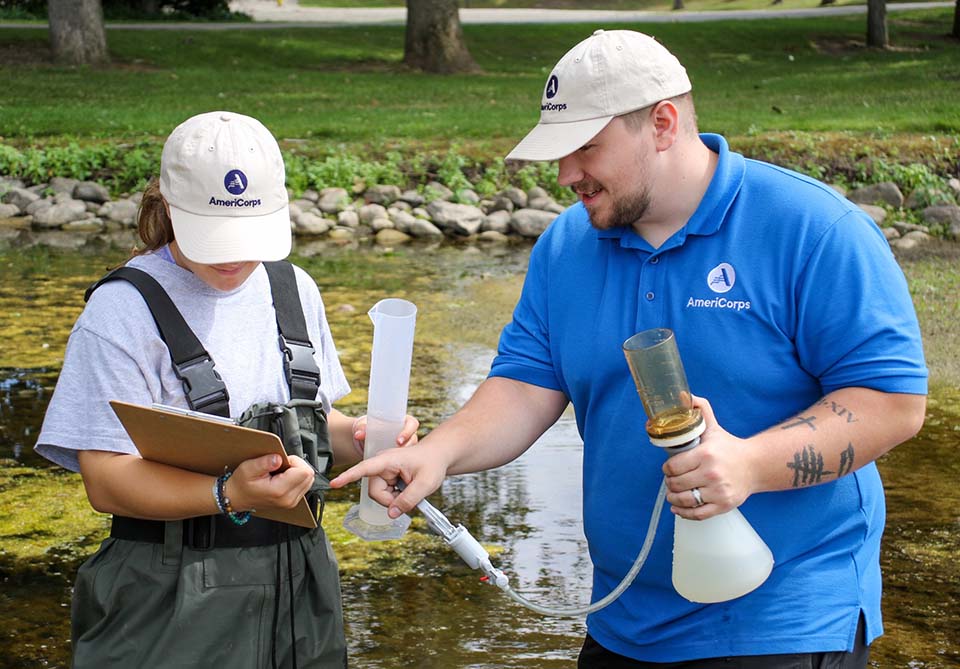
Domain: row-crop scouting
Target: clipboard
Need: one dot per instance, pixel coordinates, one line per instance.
(205, 445)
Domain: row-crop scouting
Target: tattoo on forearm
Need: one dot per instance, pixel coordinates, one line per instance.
(840, 411)
(807, 467)
(846, 461)
(801, 420)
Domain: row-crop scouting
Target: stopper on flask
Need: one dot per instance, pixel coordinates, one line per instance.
(657, 370)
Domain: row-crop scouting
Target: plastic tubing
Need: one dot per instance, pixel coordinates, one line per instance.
(476, 557)
(616, 592)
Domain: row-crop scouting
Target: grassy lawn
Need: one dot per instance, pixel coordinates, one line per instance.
(332, 90)
(626, 5)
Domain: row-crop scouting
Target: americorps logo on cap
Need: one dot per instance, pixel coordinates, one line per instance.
(553, 87)
(235, 182)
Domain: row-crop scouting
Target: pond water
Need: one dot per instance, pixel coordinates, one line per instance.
(432, 611)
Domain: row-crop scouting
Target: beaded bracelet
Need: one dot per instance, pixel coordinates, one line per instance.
(223, 502)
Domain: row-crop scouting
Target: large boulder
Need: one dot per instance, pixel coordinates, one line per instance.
(20, 197)
(456, 219)
(60, 214)
(88, 191)
(333, 200)
(885, 192)
(531, 222)
(947, 215)
(878, 214)
(382, 194)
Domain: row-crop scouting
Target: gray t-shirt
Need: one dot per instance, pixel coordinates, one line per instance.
(115, 352)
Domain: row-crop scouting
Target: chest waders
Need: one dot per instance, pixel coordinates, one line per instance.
(301, 423)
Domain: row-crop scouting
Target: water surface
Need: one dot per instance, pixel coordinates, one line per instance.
(434, 611)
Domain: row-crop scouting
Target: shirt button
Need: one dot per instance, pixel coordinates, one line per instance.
(649, 295)
(655, 260)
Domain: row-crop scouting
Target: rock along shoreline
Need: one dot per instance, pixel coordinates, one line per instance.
(71, 214)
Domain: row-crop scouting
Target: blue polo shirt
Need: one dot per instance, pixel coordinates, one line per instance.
(779, 291)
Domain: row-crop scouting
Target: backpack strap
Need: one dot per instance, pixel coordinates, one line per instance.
(299, 366)
(192, 364)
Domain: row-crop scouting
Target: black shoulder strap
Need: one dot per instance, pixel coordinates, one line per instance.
(302, 372)
(192, 364)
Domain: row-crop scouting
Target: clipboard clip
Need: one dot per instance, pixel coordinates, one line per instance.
(180, 411)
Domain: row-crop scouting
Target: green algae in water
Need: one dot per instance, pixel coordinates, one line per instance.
(41, 295)
(64, 530)
(45, 517)
(921, 542)
(413, 602)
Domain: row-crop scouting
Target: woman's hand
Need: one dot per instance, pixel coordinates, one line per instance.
(407, 436)
(255, 485)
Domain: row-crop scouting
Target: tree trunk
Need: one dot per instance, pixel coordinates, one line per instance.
(956, 20)
(877, 24)
(77, 36)
(678, 4)
(434, 38)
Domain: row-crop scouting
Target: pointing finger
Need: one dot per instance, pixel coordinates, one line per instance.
(376, 466)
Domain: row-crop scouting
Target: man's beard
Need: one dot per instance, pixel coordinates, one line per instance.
(626, 210)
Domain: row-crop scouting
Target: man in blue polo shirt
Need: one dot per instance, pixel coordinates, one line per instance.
(797, 333)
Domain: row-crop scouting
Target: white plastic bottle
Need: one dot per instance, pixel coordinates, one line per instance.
(718, 559)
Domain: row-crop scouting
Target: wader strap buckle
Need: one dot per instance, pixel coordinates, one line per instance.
(200, 533)
(300, 368)
(172, 540)
(203, 386)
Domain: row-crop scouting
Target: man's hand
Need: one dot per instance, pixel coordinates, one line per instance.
(720, 469)
(418, 466)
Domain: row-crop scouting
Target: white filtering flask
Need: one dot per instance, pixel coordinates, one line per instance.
(718, 559)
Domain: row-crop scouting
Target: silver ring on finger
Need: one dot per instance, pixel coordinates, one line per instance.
(697, 497)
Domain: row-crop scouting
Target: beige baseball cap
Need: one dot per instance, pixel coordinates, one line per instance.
(223, 178)
(612, 72)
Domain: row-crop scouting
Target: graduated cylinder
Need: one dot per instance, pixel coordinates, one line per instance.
(394, 321)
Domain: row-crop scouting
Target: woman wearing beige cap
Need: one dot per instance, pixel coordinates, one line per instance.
(188, 577)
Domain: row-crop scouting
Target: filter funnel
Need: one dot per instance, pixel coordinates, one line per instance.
(720, 558)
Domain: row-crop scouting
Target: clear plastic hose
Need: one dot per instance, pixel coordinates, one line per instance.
(477, 558)
(624, 584)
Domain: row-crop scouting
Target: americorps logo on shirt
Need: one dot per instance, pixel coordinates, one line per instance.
(721, 279)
